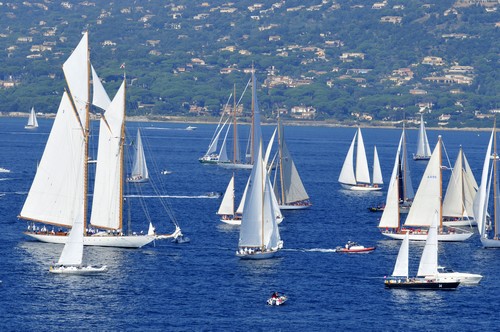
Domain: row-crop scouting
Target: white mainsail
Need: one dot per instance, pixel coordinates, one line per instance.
(107, 198)
(407, 192)
(429, 261)
(423, 148)
(362, 171)
(227, 204)
(58, 186)
(428, 196)
(481, 201)
(72, 253)
(401, 266)
(390, 216)
(140, 167)
(347, 175)
(377, 172)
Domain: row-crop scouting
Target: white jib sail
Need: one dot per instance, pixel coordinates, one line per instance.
(377, 172)
(401, 266)
(140, 167)
(390, 216)
(470, 189)
(107, 196)
(429, 260)
(100, 97)
(32, 121)
(428, 197)
(362, 171)
(58, 186)
(227, 204)
(72, 253)
(76, 70)
(347, 173)
(269, 147)
(481, 200)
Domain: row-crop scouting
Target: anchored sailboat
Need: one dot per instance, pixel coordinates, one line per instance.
(423, 148)
(459, 199)
(427, 200)
(358, 177)
(59, 192)
(140, 168)
(32, 121)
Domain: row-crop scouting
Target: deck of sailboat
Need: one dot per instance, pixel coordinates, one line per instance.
(119, 241)
(421, 235)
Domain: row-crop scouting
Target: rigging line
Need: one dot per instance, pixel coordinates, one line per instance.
(220, 120)
(446, 153)
(243, 93)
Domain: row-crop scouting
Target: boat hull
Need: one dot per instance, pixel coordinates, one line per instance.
(452, 237)
(360, 187)
(235, 166)
(355, 250)
(258, 255)
(459, 223)
(417, 157)
(422, 285)
(237, 222)
(464, 278)
(294, 207)
(490, 243)
(30, 127)
(133, 241)
(78, 270)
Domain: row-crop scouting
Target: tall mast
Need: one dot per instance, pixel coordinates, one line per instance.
(122, 143)
(86, 134)
(495, 188)
(461, 154)
(404, 166)
(253, 118)
(235, 132)
(262, 183)
(280, 151)
(440, 186)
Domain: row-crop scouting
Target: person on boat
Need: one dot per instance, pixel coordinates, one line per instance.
(275, 295)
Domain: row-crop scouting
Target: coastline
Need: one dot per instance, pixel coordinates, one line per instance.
(246, 121)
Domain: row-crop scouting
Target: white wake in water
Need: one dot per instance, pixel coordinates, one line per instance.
(311, 250)
(4, 170)
(168, 196)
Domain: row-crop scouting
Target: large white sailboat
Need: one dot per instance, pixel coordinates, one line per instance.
(428, 277)
(59, 191)
(423, 148)
(32, 121)
(139, 168)
(291, 193)
(459, 199)
(427, 200)
(357, 176)
(488, 223)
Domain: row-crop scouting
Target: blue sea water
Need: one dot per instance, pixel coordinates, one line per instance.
(201, 285)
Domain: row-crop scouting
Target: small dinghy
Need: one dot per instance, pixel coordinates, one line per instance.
(277, 299)
(354, 248)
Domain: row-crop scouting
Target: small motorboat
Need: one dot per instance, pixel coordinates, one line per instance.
(354, 248)
(191, 128)
(277, 299)
(214, 194)
(378, 208)
(166, 172)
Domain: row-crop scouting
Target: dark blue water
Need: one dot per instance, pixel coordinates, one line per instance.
(201, 285)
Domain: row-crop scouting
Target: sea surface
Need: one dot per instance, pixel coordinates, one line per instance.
(202, 285)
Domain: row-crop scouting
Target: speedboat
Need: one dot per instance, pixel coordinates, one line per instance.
(354, 248)
(464, 278)
(277, 299)
(166, 172)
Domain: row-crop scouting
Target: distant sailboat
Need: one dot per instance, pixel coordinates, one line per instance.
(427, 277)
(423, 148)
(427, 200)
(488, 224)
(459, 199)
(70, 261)
(291, 194)
(139, 168)
(357, 177)
(32, 121)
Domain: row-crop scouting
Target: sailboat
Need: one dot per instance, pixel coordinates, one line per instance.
(423, 148)
(488, 223)
(32, 122)
(427, 200)
(427, 277)
(211, 156)
(59, 192)
(139, 168)
(70, 261)
(359, 178)
(459, 199)
(292, 195)
(259, 232)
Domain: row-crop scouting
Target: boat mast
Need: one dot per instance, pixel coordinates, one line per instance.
(252, 138)
(122, 143)
(495, 187)
(280, 151)
(462, 205)
(404, 167)
(86, 134)
(235, 136)
(440, 186)
(262, 184)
